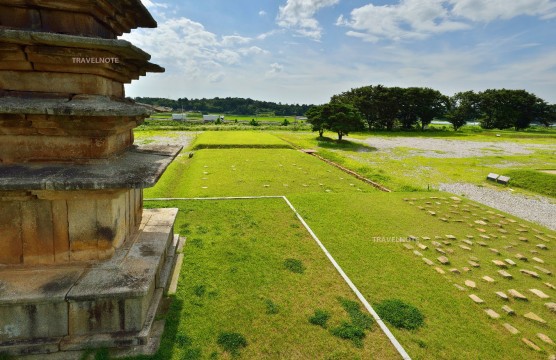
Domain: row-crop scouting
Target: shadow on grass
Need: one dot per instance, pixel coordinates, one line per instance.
(346, 145)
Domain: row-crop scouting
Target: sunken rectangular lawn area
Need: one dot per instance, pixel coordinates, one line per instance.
(250, 172)
(255, 285)
(246, 139)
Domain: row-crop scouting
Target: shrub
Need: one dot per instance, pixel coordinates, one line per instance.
(295, 266)
(320, 318)
(349, 332)
(400, 314)
(271, 307)
(358, 318)
(231, 342)
(199, 290)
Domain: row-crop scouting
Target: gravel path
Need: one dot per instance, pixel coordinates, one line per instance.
(442, 148)
(182, 139)
(539, 209)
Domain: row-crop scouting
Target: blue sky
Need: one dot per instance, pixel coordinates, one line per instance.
(305, 51)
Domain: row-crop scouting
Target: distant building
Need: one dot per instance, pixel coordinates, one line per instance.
(300, 118)
(207, 118)
(179, 117)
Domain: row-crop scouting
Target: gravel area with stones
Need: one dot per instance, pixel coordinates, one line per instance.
(442, 148)
(538, 209)
(178, 139)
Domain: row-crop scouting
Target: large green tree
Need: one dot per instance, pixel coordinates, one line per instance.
(503, 109)
(462, 108)
(430, 104)
(341, 118)
(314, 117)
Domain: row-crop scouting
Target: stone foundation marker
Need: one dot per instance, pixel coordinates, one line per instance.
(517, 295)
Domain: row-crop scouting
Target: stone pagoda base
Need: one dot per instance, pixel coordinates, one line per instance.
(68, 308)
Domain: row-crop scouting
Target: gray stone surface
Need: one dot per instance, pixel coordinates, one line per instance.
(22, 302)
(511, 329)
(538, 209)
(492, 314)
(539, 293)
(79, 105)
(530, 273)
(139, 167)
(516, 294)
(503, 180)
(534, 317)
(492, 176)
(112, 303)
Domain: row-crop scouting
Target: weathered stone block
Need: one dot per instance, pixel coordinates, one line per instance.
(47, 227)
(37, 232)
(492, 176)
(49, 145)
(11, 242)
(66, 83)
(108, 315)
(32, 303)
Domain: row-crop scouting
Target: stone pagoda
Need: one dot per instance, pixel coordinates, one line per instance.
(81, 263)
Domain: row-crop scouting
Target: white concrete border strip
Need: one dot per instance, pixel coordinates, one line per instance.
(348, 281)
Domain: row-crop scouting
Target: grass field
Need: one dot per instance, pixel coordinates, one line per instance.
(238, 139)
(238, 277)
(366, 231)
(250, 172)
(539, 182)
(402, 169)
(456, 328)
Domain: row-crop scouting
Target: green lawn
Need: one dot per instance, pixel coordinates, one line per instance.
(400, 170)
(362, 228)
(456, 328)
(542, 183)
(238, 139)
(237, 278)
(250, 172)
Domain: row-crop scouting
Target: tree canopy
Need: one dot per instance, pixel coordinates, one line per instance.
(229, 105)
(335, 116)
(407, 108)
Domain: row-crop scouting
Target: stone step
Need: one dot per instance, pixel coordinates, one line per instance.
(139, 338)
(108, 304)
(166, 273)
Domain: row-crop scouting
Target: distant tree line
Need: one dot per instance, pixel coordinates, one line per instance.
(388, 108)
(235, 106)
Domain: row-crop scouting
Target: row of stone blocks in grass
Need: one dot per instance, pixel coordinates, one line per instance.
(107, 304)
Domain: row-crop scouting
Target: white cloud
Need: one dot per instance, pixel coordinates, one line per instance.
(419, 19)
(275, 68)
(232, 40)
(263, 36)
(152, 4)
(410, 19)
(262, 13)
(299, 16)
(184, 45)
(485, 11)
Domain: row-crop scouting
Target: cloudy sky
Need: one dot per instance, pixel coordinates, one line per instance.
(305, 51)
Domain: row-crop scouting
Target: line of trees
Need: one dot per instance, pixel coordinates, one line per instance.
(388, 108)
(229, 105)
